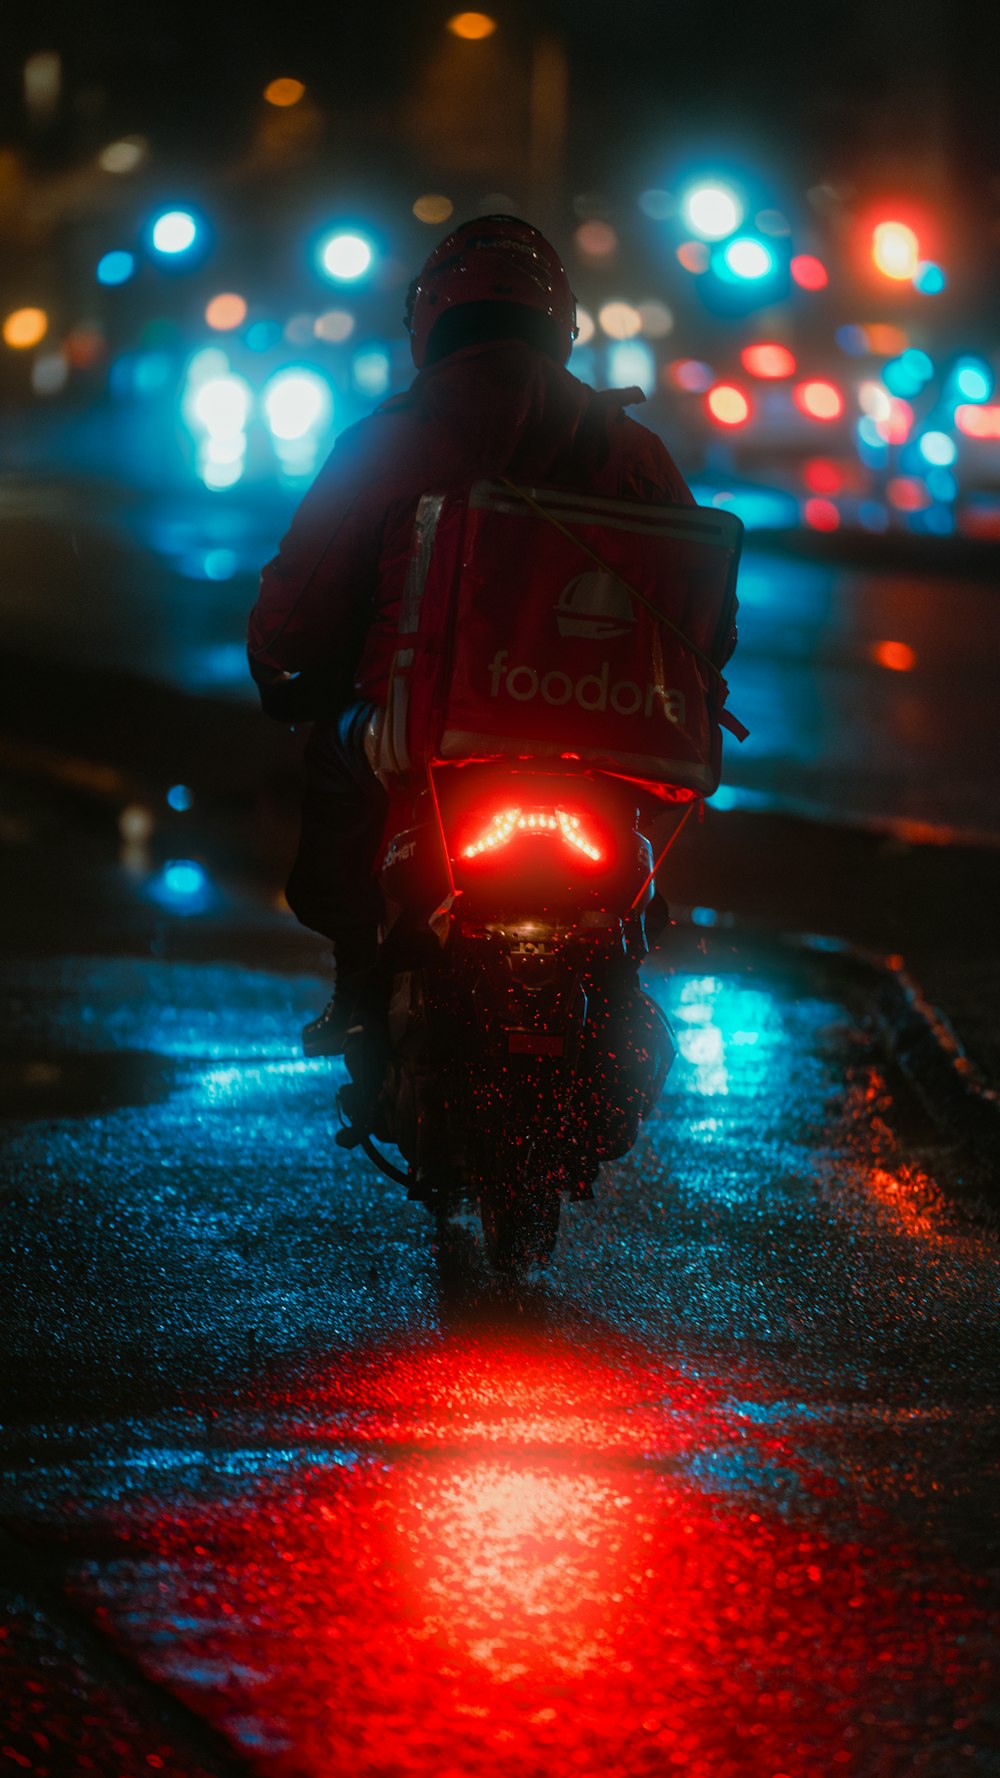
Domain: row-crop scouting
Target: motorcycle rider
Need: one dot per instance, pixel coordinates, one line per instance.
(492, 319)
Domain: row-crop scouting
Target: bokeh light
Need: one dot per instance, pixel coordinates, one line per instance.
(226, 311)
(973, 379)
(631, 363)
(223, 404)
(938, 449)
(978, 422)
(768, 359)
(899, 657)
(586, 327)
(772, 222)
(596, 240)
(175, 231)
(819, 400)
(895, 426)
(297, 402)
(712, 210)
(123, 156)
(694, 256)
(370, 371)
(895, 250)
(619, 320)
(50, 373)
(727, 405)
(345, 256)
(908, 493)
(115, 267)
(284, 92)
(821, 514)
(433, 206)
(335, 326)
(180, 798)
(747, 258)
(657, 204)
(690, 374)
(472, 27)
(657, 320)
(929, 278)
(25, 327)
(808, 272)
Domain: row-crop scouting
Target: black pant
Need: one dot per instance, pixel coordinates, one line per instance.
(333, 888)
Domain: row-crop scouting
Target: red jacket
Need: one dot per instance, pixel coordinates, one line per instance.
(329, 601)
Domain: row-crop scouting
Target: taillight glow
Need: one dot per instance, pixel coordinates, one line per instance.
(502, 827)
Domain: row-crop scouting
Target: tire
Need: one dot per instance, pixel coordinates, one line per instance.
(519, 1208)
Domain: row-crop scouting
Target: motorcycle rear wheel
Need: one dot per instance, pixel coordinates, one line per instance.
(519, 1208)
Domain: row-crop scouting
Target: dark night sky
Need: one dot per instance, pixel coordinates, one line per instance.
(833, 82)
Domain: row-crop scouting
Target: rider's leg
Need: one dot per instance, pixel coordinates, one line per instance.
(333, 887)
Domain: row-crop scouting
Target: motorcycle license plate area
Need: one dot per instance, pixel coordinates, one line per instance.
(535, 1043)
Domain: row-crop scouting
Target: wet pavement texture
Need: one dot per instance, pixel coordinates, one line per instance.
(716, 1495)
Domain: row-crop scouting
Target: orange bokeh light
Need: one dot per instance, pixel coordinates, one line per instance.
(808, 272)
(284, 92)
(226, 311)
(472, 27)
(899, 657)
(768, 360)
(821, 514)
(25, 327)
(819, 400)
(728, 405)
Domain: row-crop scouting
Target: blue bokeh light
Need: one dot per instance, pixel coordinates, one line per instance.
(929, 278)
(973, 379)
(115, 267)
(632, 362)
(180, 797)
(183, 886)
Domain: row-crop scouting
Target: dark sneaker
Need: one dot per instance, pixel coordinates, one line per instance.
(327, 1034)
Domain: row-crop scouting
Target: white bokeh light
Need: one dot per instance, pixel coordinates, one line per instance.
(712, 211)
(297, 402)
(345, 256)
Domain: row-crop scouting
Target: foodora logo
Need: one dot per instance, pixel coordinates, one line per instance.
(592, 691)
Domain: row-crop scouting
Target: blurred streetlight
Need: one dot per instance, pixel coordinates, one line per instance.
(284, 92)
(472, 27)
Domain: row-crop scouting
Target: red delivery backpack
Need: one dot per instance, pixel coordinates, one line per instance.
(541, 624)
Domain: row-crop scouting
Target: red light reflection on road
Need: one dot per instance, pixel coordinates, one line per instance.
(613, 1572)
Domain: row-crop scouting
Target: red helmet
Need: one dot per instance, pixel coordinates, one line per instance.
(492, 259)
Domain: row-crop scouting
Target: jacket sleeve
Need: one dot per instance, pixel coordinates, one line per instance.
(315, 597)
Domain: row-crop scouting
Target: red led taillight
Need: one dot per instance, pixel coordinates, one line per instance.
(508, 823)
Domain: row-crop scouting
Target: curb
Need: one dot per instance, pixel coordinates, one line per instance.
(918, 1037)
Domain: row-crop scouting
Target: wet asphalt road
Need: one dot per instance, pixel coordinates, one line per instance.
(716, 1496)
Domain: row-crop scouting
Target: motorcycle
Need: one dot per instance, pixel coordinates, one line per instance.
(558, 677)
(520, 1052)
